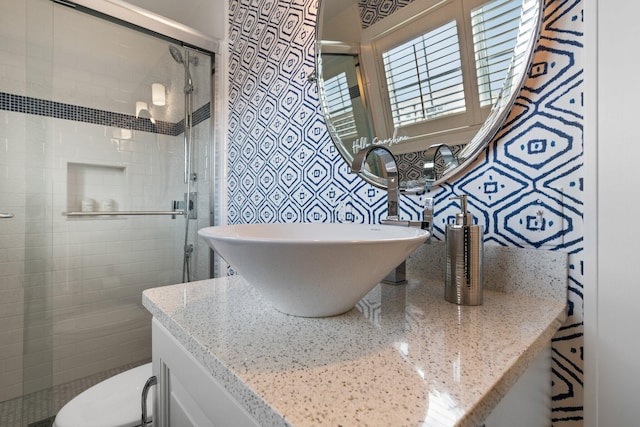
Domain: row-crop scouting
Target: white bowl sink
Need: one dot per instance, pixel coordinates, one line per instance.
(313, 269)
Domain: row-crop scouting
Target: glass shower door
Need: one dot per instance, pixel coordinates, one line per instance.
(92, 119)
(118, 156)
(26, 241)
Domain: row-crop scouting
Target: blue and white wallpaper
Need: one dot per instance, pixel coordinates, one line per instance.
(526, 188)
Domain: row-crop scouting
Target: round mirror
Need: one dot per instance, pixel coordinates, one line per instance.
(431, 80)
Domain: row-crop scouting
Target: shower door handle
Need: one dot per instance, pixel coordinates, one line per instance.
(6, 215)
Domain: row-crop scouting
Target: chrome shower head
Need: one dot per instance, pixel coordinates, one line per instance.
(176, 54)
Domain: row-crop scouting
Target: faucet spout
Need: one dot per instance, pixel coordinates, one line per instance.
(385, 157)
(390, 166)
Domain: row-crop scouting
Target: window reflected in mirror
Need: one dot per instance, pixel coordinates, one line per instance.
(495, 28)
(424, 77)
(341, 106)
(431, 76)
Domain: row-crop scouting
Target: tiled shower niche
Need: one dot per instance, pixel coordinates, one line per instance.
(100, 183)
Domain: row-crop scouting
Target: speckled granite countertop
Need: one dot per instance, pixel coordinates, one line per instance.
(403, 357)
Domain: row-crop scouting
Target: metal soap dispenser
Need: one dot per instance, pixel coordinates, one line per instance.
(464, 246)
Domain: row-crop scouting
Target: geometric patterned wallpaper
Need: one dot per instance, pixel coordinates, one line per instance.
(526, 189)
(374, 11)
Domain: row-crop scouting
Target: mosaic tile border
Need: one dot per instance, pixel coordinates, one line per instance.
(60, 110)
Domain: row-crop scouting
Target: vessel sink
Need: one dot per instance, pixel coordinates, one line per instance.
(313, 269)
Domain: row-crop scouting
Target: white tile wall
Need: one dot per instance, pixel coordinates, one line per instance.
(11, 256)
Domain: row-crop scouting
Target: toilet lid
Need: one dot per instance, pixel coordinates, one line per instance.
(114, 402)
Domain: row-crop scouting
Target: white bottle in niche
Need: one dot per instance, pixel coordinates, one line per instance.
(107, 205)
(87, 205)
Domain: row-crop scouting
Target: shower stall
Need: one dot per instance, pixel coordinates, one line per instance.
(106, 174)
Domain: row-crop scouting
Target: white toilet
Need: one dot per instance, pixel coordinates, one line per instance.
(115, 402)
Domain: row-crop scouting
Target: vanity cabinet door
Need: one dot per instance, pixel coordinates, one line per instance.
(187, 395)
(528, 402)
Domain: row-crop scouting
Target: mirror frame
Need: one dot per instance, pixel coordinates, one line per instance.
(500, 110)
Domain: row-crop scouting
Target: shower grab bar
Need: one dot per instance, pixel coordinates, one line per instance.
(121, 213)
(6, 215)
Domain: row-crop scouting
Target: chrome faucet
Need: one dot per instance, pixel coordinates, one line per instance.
(393, 192)
(391, 170)
(398, 276)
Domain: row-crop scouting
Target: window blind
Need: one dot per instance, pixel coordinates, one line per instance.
(424, 76)
(494, 27)
(340, 106)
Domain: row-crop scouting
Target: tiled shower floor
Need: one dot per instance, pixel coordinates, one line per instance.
(35, 407)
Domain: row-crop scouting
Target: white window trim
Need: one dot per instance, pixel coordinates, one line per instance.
(421, 17)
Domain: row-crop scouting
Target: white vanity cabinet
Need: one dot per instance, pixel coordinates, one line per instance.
(528, 402)
(187, 395)
(223, 358)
